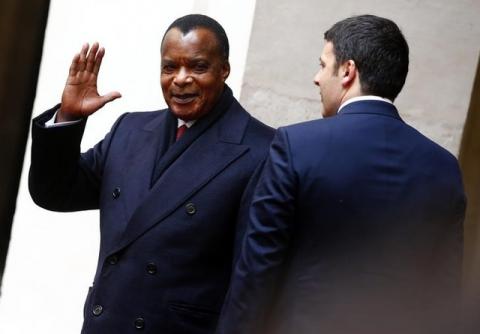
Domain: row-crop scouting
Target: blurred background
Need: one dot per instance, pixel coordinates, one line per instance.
(47, 259)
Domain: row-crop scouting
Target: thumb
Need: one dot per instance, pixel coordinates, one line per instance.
(109, 97)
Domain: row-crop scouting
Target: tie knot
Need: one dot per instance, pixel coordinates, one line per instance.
(180, 131)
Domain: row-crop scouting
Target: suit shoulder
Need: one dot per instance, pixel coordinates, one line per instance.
(258, 137)
(244, 128)
(138, 119)
(443, 166)
(432, 149)
(309, 125)
(143, 116)
(315, 130)
(260, 128)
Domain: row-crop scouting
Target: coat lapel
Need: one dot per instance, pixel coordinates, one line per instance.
(144, 146)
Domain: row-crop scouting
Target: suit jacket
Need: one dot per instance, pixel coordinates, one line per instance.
(355, 227)
(167, 211)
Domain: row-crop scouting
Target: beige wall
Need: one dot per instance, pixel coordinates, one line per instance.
(444, 39)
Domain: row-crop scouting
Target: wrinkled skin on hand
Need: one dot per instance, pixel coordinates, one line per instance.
(80, 96)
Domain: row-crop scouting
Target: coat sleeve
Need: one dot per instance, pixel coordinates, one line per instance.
(265, 244)
(60, 177)
(244, 211)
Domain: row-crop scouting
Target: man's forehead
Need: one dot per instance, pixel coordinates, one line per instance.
(177, 34)
(194, 35)
(327, 51)
(328, 48)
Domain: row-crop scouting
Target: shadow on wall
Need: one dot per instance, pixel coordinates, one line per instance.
(470, 164)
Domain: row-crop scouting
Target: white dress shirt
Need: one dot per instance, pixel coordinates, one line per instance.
(363, 98)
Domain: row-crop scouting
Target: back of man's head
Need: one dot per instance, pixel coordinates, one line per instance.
(377, 47)
(190, 22)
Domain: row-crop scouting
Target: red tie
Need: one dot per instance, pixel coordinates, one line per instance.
(180, 131)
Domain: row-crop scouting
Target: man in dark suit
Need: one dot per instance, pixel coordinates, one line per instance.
(356, 222)
(168, 184)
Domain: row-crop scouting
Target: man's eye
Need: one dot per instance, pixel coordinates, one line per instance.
(168, 68)
(200, 68)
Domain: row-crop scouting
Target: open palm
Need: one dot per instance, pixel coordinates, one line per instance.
(80, 96)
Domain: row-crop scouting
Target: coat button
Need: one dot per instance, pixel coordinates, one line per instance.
(113, 260)
(116, 193)
(139, 323)
(97, 310)
(151, 268)
(190, 209)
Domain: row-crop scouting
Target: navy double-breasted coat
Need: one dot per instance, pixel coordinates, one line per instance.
(167, 211)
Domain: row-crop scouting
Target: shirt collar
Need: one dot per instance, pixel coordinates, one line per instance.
(363, 98)
(181, 122)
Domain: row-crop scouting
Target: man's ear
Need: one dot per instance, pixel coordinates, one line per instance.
(349, 72)
(225, 70)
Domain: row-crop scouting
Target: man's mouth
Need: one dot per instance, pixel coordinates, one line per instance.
(183, 98)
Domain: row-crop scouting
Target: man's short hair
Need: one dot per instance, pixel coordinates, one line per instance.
(377, 47)
(190, 22)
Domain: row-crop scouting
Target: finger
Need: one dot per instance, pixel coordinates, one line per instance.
(98, 61)
(110, 97)
(91, 57)
(74, 66)
(83, 57)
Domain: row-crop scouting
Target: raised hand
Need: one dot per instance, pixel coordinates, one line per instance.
(80, 96)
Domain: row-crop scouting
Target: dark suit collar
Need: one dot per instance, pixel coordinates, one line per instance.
(232, 124)
(370, 107)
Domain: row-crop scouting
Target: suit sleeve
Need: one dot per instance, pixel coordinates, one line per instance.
(265, 244)
(60, 177)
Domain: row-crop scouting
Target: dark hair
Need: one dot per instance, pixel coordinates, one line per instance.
(377, 47)
(190, 22)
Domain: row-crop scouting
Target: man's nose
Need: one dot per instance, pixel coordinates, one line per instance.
(182, 77)
(316, 79)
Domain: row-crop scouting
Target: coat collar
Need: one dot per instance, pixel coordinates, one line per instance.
(371, 107)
